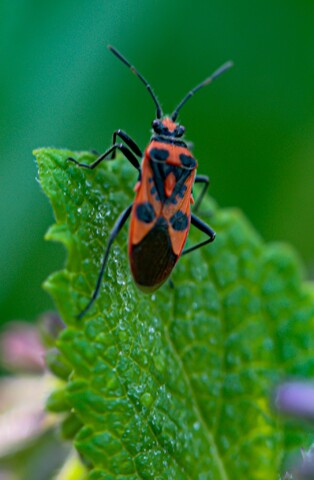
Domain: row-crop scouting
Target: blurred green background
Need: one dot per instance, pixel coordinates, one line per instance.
(59, 86)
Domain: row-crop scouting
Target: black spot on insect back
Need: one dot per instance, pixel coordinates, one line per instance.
(145, 212)
(187, 161)
(179, 221)
(159, 154)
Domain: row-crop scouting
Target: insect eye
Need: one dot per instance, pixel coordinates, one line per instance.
(156, 124)
(180, 131)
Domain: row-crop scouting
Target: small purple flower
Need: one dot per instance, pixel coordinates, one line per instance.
(296, 398)
(21, 348)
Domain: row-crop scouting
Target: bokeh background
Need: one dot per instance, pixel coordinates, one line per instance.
(253, 130)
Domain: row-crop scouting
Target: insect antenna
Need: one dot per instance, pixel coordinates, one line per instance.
(137, 73)
(208, 80)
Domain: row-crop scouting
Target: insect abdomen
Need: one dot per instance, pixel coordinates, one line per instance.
(152, 259)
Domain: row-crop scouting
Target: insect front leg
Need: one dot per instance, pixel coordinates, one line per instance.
(129, 142)
(205, 181)
(114, 232)
(129, 155)
(203, 227)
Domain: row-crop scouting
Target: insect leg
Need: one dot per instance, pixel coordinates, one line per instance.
(105, 156)
(203, 227)
(114, 232)
(205, 180)
(128, 140)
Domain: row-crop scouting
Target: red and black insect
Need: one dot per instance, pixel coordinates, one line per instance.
(161, 212)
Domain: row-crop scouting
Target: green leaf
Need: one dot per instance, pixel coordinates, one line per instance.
(176, 384)
(72, 469)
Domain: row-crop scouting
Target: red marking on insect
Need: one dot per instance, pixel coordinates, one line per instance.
(169, 184)
(169, 124)
(161, 212)
(137, 186)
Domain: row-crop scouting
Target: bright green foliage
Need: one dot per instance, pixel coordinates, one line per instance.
(72, 469)
(174, 385)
